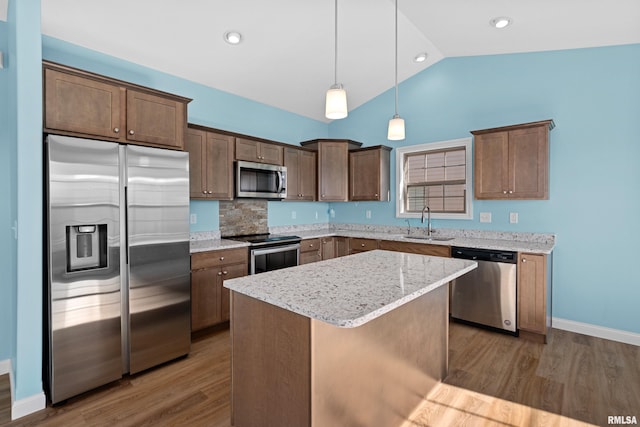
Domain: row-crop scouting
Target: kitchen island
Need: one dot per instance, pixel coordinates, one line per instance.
(356, 340)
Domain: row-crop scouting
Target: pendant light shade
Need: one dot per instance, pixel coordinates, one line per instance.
(396, 129)
(336, 103)
(396, 124)
(336, 100)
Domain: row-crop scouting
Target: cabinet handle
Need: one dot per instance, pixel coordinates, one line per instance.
(322, 195)
(210, 192)
(204, 192)
(116, 130)
(524, 260)
(225, 272)
(131, 132)
(221, 258)
(362, 244)
(310, 245)
(219, 273)
(504, 191)
(376, 195)
(510, 191)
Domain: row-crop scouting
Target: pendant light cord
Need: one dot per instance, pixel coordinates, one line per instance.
(335, 39)
(396, 47)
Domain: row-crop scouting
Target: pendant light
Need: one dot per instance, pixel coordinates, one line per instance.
(336, 100)
(396, 124)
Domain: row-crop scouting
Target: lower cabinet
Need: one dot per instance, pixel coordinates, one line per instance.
(328, 247)
(416, 248)
(310, 251)
(533, 294)
(209, 299)
(341, 245)
(357, 245)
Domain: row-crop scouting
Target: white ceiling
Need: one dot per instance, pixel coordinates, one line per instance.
(286, 57)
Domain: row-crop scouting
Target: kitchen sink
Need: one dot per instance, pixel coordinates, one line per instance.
(428, 238)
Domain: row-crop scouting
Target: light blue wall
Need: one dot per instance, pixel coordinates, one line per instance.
(210, 107)
(594, 97)
(8, 190)
(26, 61)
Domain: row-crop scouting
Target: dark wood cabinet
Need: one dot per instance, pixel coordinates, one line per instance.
(533, 280)
(209, 299)
(369, 174)
(210, 164)
(333, 167)
(512, 162)
(416, 248)
(88, 105)
(259, 152)
(357, 244)
(301, 174)
(310, 251)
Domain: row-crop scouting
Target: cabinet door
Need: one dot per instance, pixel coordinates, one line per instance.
(532, 293)
(229, 272)
(155, 120)
(342, 246)
(528, 163)
(196, 145)
(364, 175)
(328, 248)
(309, 257)
(205, 298)
(491, 165)
(247, 149)
(307, 175)
(271, 153)
(333, 172)
(82, 105)
(220, 151)
(292, 162)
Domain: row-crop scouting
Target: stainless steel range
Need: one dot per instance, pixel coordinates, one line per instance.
(269, 252)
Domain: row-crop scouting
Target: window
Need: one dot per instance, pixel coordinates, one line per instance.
(437, 175)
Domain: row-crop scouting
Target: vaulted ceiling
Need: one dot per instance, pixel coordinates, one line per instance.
(286, 57)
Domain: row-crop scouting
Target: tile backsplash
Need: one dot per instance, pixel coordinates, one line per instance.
(243, 216)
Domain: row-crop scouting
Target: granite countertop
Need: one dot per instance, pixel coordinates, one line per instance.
(205, 245)
(350, 291)
(504, 244)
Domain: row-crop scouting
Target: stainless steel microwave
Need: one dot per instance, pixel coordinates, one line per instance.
(260, 181)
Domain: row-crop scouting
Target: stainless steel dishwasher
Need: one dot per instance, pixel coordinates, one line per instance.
(486, 296)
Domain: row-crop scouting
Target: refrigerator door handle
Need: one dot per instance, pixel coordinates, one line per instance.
(126, 225)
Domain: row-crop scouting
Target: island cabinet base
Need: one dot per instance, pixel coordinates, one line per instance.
(289, 370)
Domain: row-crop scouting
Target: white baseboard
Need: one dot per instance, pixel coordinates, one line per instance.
(596, 331)
(28, 405)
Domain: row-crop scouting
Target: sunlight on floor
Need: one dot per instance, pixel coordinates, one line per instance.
(448, 405)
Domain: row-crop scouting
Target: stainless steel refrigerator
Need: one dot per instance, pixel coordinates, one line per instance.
(118, 294)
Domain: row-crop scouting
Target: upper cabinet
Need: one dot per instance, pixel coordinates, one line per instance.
(369, 174)
(210, 164)
(259, 152)
(83, 104)
(301, 174)
(512, 162)
(333, 167)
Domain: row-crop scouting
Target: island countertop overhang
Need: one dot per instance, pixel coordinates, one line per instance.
(350, 291)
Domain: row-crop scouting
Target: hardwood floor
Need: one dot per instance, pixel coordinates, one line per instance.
(494, 380)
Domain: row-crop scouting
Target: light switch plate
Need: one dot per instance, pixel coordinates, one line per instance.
(293, 214)
(368, 214)
(193, 219)
(485, 216)
(513, 217)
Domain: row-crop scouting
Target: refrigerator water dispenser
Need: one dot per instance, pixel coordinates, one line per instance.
(86, 247)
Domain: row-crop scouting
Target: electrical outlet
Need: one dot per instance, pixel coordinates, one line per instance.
(293, 215)
(368, 214)
(332, 213)
(193, 218)
(513, 217)
(485, 216)
(316, 214)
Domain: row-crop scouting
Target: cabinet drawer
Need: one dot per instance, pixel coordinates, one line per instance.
(309, 245)
(416, 248)
(218, 258)
(359, 245)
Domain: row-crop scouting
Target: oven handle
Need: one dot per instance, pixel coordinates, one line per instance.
(265, 251)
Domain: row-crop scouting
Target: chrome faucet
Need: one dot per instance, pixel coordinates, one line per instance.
(409, 226)
(426, 208)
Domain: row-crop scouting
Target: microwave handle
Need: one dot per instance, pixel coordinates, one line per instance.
(280, 182)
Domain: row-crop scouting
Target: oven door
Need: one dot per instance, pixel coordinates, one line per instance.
(274, 258)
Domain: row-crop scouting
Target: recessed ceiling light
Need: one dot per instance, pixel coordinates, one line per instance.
(232, 37)
(501, 22)
(421, 57)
